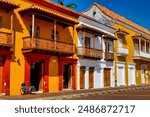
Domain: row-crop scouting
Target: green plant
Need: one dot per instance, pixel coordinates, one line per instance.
(70, 5)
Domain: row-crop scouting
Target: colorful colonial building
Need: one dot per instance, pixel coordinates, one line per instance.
(132, 51)
(95, 50)
(44, 49)
(7, 47)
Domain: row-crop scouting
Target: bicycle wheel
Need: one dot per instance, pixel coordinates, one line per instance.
(22, 91)
(32, 90)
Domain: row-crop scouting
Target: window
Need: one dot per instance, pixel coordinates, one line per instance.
(87, 42)
(0, 21)
(36, 31)
(57, 35)
(94, 13)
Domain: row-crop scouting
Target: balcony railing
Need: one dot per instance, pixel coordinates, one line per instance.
(89, 53)
(142, 54)
(48, 45)
(122, 51)
(5, 39)
(109, 56)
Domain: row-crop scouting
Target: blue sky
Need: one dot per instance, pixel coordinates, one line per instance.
(137, 11)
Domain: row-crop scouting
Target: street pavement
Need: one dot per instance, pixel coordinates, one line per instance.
(116, 93)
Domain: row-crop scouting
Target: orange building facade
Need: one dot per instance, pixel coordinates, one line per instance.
(43, 53)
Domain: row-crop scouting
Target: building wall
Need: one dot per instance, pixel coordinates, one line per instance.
(129, 43)
(21, 29)
(98, 77)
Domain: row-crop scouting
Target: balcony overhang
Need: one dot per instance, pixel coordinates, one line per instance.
(57, 7)
(122, 32)
(47, 15)
(108, 36)
(8, 5)
(137, 37)
(140, 58)
(86, 28)
(89, 29)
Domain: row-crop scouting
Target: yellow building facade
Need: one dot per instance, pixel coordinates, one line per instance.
(131, 51)
(44, 51)
(132, 48)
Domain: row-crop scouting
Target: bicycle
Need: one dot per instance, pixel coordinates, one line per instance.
(25, 90)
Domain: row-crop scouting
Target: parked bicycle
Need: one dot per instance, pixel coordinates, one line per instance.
(27, 90)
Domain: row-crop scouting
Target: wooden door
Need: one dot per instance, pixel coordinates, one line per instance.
(41, 72)
(107, 77)
(91, 77)
(82, 77)
(1, 71)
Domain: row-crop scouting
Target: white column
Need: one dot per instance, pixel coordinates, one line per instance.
(102, 78)
(145, 45)
(112, 80)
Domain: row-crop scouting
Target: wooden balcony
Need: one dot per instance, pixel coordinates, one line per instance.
(109, 56)
(47, 46)
(89, 53)
(5, 39)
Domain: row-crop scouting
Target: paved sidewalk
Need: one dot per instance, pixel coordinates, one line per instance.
(74, 94)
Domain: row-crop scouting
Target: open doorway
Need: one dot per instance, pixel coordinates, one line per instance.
(67, 76)
(36, 75)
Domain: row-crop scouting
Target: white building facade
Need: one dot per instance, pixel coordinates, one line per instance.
(95, 50)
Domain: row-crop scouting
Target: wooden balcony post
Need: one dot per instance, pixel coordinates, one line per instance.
(94, 41)
(139, 46)
(145, 45)
(83, 39)
(55, 29)
(12, 27)
(74, 40)
(33, 26)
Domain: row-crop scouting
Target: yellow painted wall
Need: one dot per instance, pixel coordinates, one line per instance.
(53, 74)
(127, 42)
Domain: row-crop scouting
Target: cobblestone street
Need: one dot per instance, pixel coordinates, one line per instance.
(117, 93)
